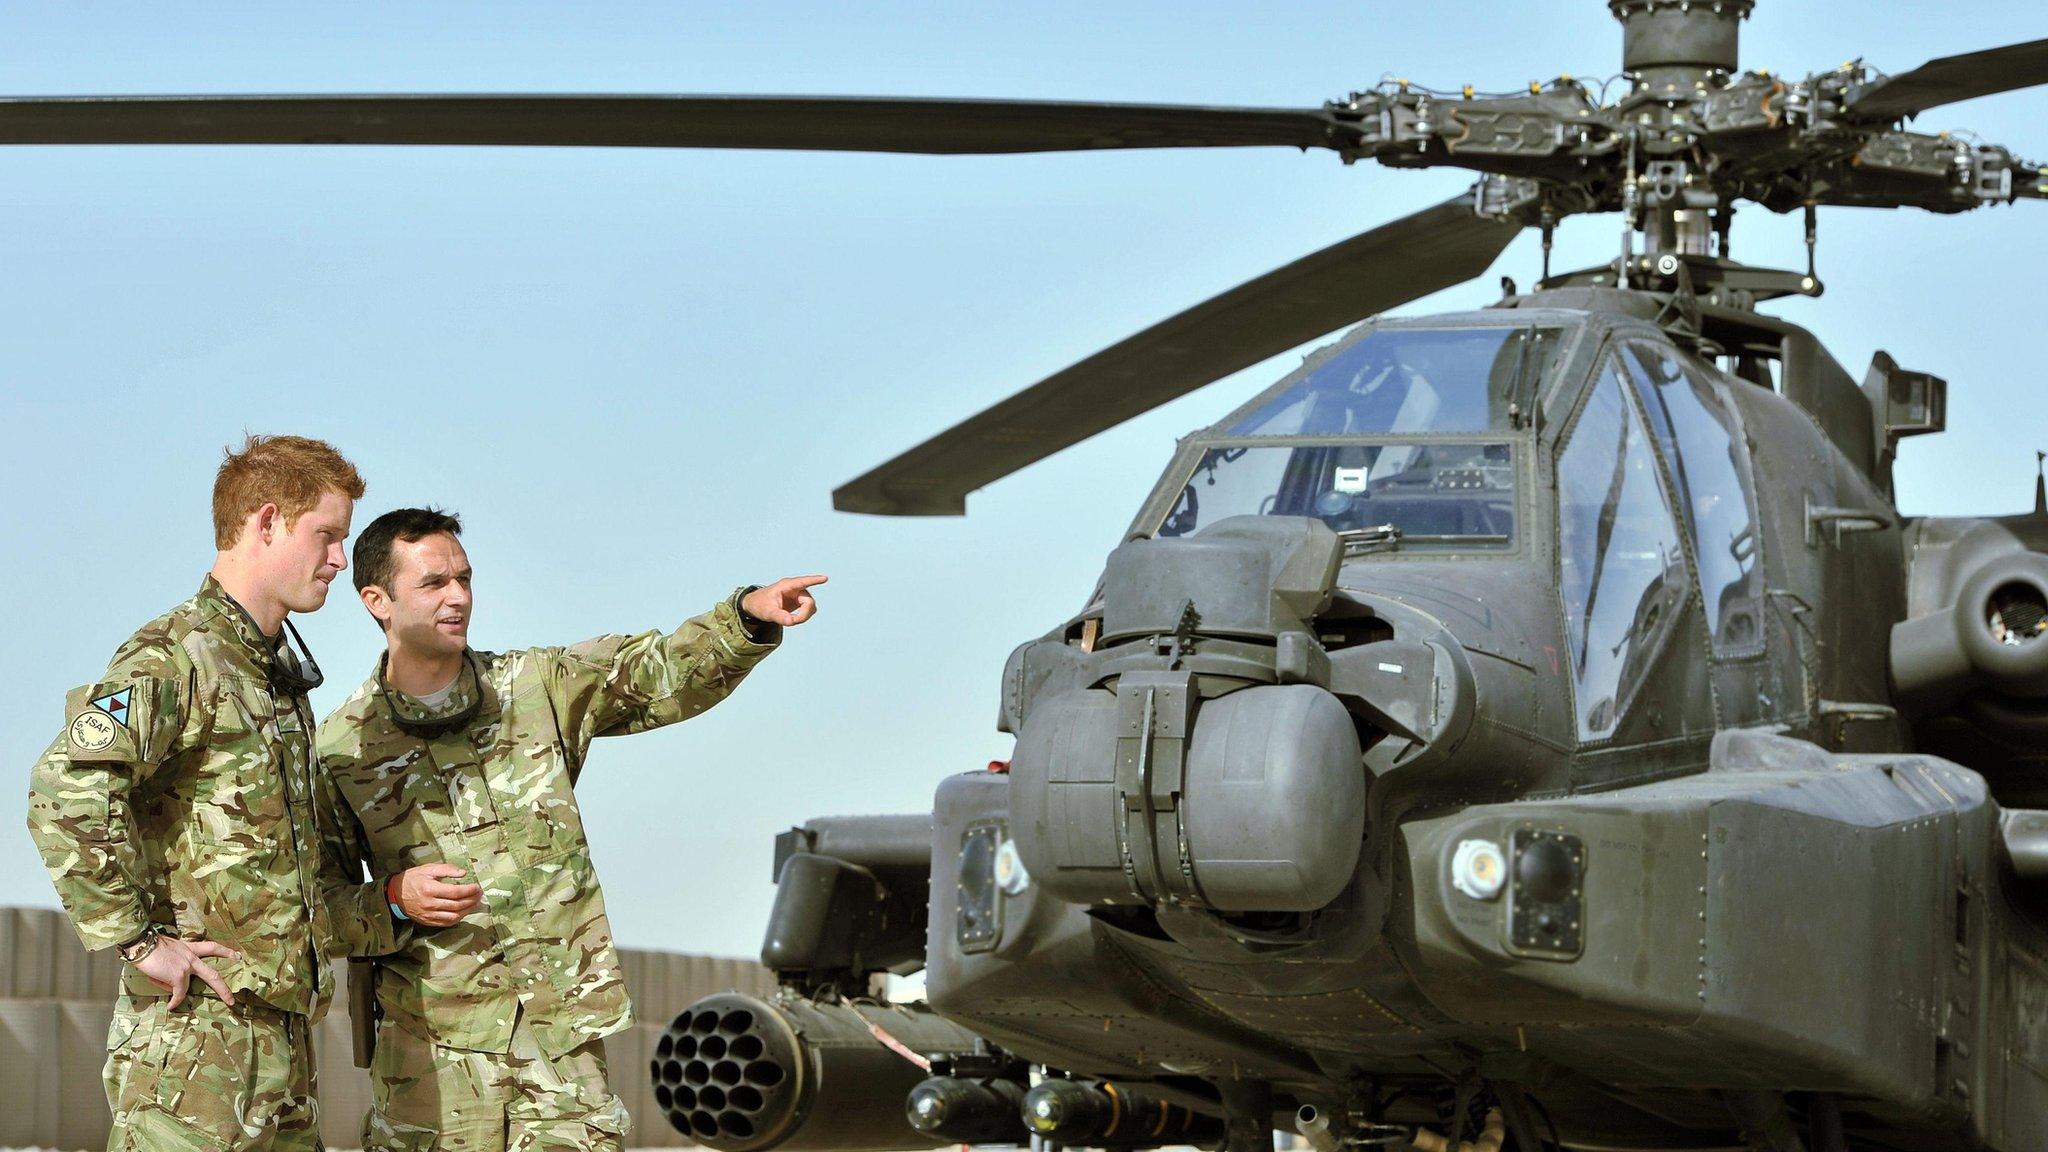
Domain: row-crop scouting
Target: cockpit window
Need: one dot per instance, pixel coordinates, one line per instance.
(1379, 496)
(1693, 422)
(1403, 380)
(1621, 567)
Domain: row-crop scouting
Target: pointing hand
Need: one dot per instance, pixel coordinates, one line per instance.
(787, 602)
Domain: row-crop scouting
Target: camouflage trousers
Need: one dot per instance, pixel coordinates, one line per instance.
(209, 1078)
(426, 1097)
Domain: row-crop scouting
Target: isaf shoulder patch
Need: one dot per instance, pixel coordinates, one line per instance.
(93, 731)
(115, 704)
(100, 722)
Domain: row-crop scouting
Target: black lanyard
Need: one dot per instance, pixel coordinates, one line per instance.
(429, 728)
(294, 673)
(291, 673)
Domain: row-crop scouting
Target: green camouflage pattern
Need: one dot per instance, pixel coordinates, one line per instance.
(209, 1078)
(428, 1096)
(180, 795)
(496, 798)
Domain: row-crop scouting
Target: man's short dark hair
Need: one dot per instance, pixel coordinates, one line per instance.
(373, 546)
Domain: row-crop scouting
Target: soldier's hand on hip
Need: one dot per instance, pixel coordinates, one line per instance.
(787, 602)
(425, 895)
(173, 963)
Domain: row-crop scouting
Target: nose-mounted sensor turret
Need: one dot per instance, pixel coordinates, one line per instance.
(1206, 764)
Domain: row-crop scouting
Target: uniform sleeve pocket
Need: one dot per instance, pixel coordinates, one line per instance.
(99, 739)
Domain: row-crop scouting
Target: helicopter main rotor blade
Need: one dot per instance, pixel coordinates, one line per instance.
(1348, 281)
(1953, 78)
(822, 123)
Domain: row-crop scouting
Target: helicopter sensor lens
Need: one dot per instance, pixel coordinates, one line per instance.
(1544, 872)
(1546, 890)
(2019, 614)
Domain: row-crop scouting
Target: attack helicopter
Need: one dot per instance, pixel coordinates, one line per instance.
(1527, 728)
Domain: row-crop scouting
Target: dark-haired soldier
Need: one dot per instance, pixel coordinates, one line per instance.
(462, 764)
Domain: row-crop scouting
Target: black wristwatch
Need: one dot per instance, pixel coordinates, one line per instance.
(751, 624)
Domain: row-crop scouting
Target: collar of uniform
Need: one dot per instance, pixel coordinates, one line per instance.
(471, 689)
(215, 600)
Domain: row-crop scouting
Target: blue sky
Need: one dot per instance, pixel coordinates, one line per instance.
(638, 374)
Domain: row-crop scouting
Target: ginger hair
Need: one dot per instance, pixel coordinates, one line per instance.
(292, 472)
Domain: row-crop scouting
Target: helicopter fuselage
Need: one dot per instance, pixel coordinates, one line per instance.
(1641, 839)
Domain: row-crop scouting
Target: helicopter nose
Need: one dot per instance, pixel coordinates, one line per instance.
(1210, 751)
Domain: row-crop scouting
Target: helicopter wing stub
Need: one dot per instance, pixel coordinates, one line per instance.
(1951, 78)
(1348, 281)
(936, 126)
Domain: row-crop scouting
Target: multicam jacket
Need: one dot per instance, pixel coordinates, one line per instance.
(179, 796)
(495, 797)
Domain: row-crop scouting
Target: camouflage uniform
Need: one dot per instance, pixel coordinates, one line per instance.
(491, 1026)
(179, 797)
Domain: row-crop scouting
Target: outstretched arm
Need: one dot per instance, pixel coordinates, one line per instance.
(615, 685)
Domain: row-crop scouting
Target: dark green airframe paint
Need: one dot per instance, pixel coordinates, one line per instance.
(1793, 884)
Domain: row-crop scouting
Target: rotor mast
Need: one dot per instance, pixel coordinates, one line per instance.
(1673, 50)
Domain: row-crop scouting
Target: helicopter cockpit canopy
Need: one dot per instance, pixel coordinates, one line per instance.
(1396, 437)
